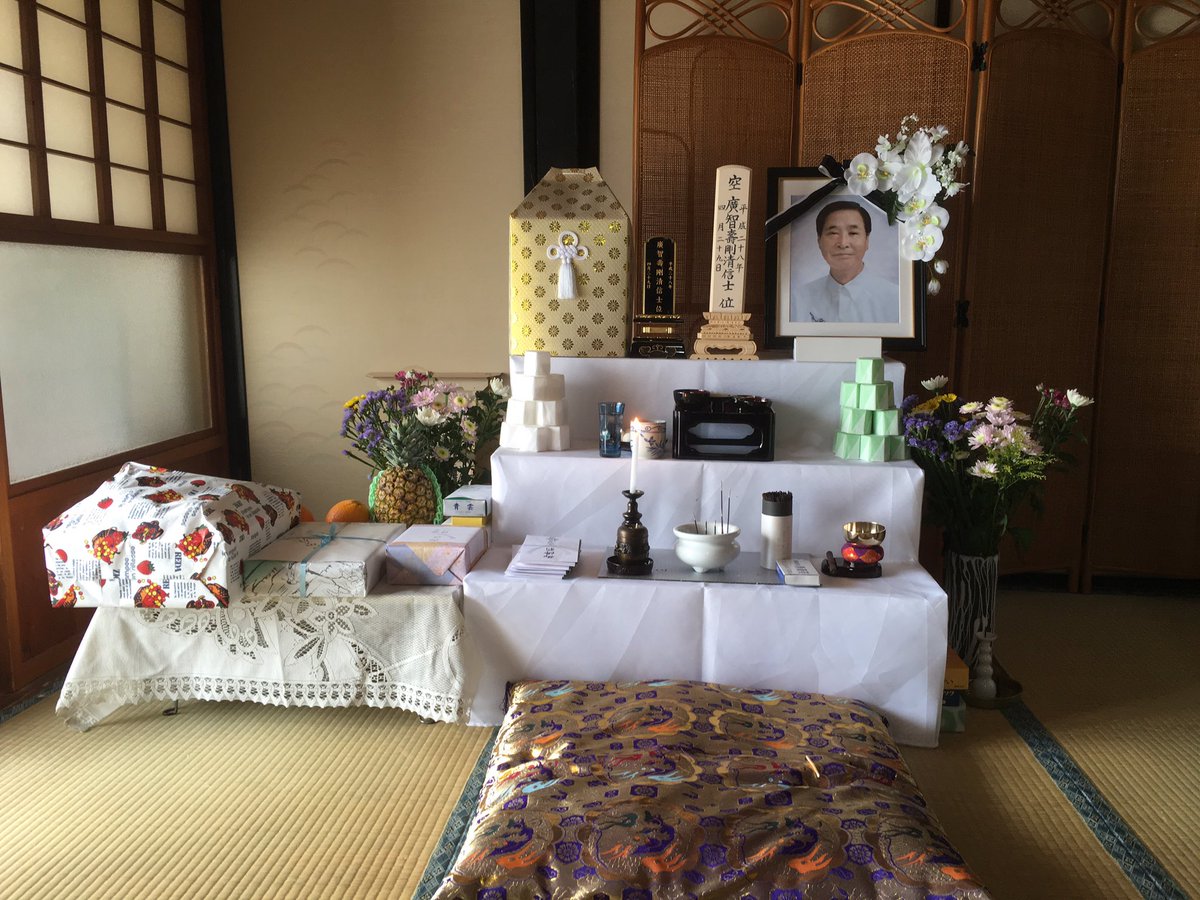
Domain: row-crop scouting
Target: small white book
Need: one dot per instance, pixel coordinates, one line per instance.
(799, 570)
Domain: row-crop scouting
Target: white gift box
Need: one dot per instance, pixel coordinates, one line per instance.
(321, 560)
(151, 537)
(434, 554)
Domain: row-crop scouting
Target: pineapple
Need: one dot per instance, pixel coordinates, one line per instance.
(405, 495)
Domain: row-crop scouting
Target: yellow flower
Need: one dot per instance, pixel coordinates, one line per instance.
(354, 401)
(934, 402)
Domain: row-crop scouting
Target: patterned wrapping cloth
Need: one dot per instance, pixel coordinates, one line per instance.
(150, 537)
(668, 789)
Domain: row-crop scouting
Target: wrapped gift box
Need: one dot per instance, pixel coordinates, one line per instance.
(573, 209)
(316, 560)
(468, 500)
(434, 554)
(152, 537)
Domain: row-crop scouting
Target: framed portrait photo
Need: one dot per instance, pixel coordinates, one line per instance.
(835, 268)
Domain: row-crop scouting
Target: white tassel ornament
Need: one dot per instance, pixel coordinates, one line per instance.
(567, 250)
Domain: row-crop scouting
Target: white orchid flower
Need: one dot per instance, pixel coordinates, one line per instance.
(1078, 400)
(920, 243)
(918, 157)
(914, 209)
(936, 383)
(886, 169)
(938, 132)
(428, 415)
(983, 469)
(860, 176)
(934, 215)
(883, 144)
(954, 187)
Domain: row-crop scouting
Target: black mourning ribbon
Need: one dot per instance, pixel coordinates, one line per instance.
(836, 172)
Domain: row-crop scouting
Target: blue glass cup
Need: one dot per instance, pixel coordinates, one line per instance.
(612, 420)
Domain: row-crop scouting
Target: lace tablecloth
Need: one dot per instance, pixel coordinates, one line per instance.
(400, 647)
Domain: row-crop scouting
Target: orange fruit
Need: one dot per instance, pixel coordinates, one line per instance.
(348, 511)
(306, 514)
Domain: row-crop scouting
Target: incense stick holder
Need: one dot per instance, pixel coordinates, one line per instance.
(707, 546)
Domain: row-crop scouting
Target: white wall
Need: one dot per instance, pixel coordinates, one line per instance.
(377, 152)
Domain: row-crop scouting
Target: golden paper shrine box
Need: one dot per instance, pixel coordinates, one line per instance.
(569, 267)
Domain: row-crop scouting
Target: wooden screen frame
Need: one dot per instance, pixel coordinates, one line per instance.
(23, 659)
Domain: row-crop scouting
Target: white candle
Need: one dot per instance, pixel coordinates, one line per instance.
(633, 448)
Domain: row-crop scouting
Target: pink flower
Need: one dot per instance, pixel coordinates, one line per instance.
(983, 436)
(426, 397)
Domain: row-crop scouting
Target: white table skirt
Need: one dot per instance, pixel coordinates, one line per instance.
(882, 640)
(577, 493)
(399, 647)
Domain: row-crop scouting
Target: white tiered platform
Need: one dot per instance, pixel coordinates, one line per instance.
(882, 640)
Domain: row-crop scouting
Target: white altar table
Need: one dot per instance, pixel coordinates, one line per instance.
(399, 647)
(577, 494)
(882, 640)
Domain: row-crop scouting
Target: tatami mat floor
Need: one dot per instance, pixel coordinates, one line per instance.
(237, 800)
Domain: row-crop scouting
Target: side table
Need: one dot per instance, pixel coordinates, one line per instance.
(399, 647)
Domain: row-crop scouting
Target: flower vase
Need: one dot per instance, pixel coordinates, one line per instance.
(970, 583)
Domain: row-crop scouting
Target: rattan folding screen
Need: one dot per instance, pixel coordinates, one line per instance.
(1057, 275)
(1037, 240)
(712, 88)
(1145, 480)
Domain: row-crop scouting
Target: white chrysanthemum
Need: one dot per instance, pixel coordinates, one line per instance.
(428, 415)
(441, 453)
(460, 402)
(936, 383)
(1078, 400)
(498, 387)
(971, 409)
(983, 469)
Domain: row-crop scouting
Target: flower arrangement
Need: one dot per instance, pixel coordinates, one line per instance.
(983, 460)
(422, 422)
(913, 172)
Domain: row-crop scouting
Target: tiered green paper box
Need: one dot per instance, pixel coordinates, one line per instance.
(869, 426)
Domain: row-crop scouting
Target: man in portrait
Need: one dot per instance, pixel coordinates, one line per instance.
(848, 292)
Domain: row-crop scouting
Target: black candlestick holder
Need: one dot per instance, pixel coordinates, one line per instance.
(631, 556)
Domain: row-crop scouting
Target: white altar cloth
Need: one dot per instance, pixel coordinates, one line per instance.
(399, 647)
(577, 494)
(880, 640)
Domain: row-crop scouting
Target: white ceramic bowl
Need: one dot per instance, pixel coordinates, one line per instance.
(707, 546)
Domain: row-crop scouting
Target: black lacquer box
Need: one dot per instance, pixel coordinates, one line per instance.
(723, 426)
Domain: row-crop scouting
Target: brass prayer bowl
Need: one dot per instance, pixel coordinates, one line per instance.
(866, 534)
